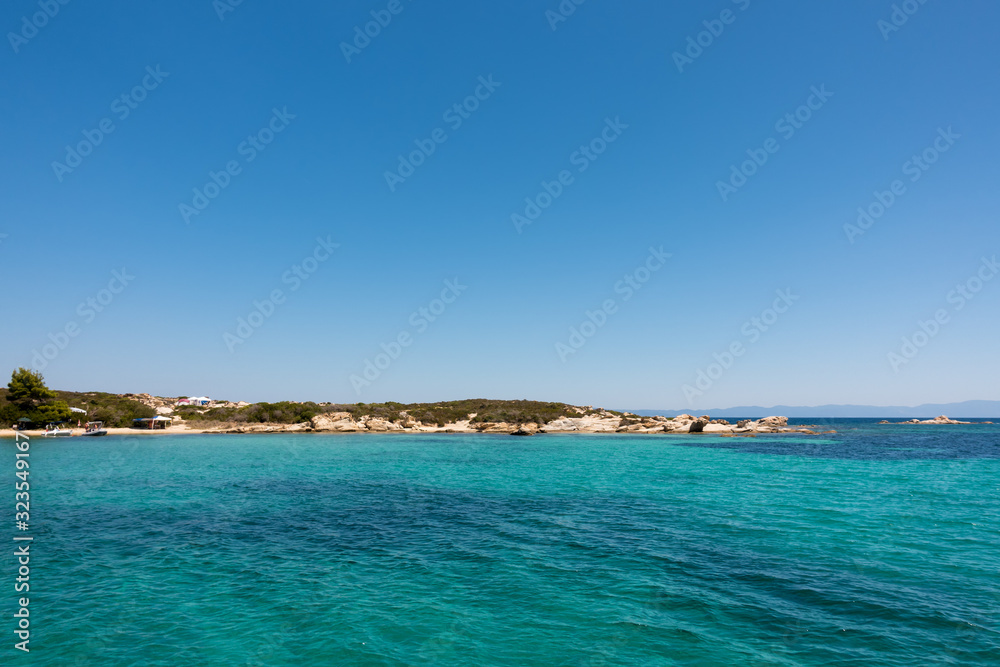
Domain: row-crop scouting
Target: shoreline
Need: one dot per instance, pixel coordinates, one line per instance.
(344, 423)
(599, 424)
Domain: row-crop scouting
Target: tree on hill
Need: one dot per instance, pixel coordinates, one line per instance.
(27, 391)
(53, 412)
(28, 387)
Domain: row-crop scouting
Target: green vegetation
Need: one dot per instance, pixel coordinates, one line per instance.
(258, 413)
(27, 396)
(28, 387)
(513, 412)
(114, 411)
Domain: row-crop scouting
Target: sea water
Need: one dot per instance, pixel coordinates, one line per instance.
(877, 545)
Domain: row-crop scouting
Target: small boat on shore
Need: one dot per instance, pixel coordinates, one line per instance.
(54, 430)
(95, 429)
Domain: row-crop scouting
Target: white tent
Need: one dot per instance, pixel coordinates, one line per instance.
(195, 400)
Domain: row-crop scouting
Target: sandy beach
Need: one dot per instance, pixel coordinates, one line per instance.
(78, 432)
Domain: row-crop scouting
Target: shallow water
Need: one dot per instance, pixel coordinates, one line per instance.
(879, 545)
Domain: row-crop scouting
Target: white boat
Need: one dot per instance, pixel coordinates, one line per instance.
(95, 429)
(53, 430)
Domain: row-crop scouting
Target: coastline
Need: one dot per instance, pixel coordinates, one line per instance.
(78, 432)
(601, 423)
(573, 419)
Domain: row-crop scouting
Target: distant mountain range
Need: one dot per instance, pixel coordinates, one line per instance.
(981, 409)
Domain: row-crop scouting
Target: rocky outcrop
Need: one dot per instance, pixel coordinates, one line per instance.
(581, 421)
(690, 424)
(698, 425)
(598, 423)
(265, 428)
(575, 419)
(379, 425)
(337, 422)
(773, 422)
(156, 402)
(678, 426)
(937, 420)
(636, 424)
(344, 422)
(604, 422)
(494, 427)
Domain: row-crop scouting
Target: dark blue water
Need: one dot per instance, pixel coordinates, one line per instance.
(867, 439)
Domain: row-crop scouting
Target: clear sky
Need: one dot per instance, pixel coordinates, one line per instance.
(119, 124)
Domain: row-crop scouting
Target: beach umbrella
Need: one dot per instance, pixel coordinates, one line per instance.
(159, 419)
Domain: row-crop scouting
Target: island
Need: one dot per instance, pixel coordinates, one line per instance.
(132, 413)
(933, 422)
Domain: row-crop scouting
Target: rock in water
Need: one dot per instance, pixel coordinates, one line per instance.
(698, 425)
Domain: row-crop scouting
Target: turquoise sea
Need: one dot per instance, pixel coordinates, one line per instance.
(879, 545)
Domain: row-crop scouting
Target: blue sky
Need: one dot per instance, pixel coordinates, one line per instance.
(851, 297)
